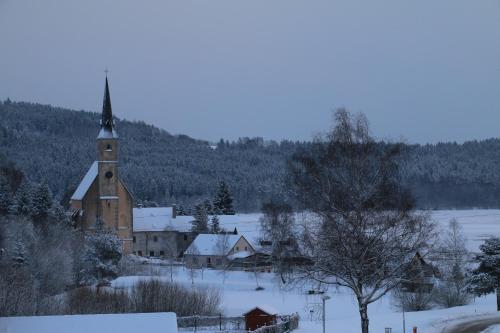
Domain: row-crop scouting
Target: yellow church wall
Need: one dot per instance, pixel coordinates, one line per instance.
(125, 221)
(89, 206)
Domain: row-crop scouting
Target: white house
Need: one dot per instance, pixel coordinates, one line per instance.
(213, 250)
(160, 232)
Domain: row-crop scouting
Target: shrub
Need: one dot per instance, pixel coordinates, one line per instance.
(159, 296)
(89, 300)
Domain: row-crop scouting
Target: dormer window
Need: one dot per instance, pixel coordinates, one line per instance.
(109, 147)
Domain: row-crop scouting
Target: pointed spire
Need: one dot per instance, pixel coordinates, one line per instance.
(107, 125)
(107, 114)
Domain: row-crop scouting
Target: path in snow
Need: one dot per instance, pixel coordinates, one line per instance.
(475, 325)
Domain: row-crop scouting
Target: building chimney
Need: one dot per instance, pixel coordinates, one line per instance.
(174, 211)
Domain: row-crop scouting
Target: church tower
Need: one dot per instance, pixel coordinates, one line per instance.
(107, 158)
(102, 197)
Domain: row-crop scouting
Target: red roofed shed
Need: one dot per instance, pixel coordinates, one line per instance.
(259, 316)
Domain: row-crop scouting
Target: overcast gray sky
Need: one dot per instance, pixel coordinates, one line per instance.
(426, 70)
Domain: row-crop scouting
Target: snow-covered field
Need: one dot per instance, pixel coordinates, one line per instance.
(477, 224)
(239, 295)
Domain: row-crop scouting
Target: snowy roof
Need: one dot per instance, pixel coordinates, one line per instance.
(160, 219)
(105, 133)
(212, 244)
(86, 182)
(97, 323)
(240, 255)
(264, 307)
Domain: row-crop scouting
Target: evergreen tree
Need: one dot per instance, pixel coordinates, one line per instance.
(200, 223)
(208, 207)
(19, 253)
(485, 278)
(215, 224)
(22, 204)
(41, 203)
(5, 196)
(180, 210)
(223, 201)
(100, 259)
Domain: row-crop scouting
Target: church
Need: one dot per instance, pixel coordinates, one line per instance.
(102, 196)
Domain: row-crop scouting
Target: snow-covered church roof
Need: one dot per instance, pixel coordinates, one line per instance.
(160, 219)
(212, 244)
(86, 182)
(105, 133)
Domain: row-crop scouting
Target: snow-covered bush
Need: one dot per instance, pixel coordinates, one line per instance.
(102, 253)
(160, 296)
(88, 300)
(419, 299)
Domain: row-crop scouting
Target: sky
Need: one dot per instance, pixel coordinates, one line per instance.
(422, 71)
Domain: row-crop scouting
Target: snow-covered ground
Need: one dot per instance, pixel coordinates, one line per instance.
(239, 294)
(477, 224)
(492, 329)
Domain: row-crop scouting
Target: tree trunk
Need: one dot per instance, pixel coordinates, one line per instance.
(363, 312)
(498, 298)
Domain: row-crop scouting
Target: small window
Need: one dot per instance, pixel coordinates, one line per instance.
(237, 248)
(133, 239)
(209, 260)
(195, 260)
(162, 253)
(185, 237)
(109, 147)
(246, 248)
(139, 253)
(155, 238)
(151, 253)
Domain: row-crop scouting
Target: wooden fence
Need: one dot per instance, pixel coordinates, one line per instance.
(286, 324)
(234, 324)
(213, 323)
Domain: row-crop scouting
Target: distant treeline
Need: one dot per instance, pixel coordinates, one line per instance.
(58, 145)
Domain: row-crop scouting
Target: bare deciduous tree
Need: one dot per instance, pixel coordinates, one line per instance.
(452, 257)
(367, 230)
(222, 248)
(279, 234)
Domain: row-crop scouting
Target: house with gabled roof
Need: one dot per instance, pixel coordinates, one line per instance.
(215, 250)
(160, 232)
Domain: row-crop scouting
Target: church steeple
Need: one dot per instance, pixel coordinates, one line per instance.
(107, 114)
(107, 124)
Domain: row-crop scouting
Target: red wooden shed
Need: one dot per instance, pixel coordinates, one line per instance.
(259, 316)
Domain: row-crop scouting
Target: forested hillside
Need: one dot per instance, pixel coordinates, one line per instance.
(58, 145)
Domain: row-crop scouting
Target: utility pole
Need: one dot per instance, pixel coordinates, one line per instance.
(324, 298)
(404, 321)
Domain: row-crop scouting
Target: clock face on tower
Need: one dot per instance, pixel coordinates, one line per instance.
(108, 174)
